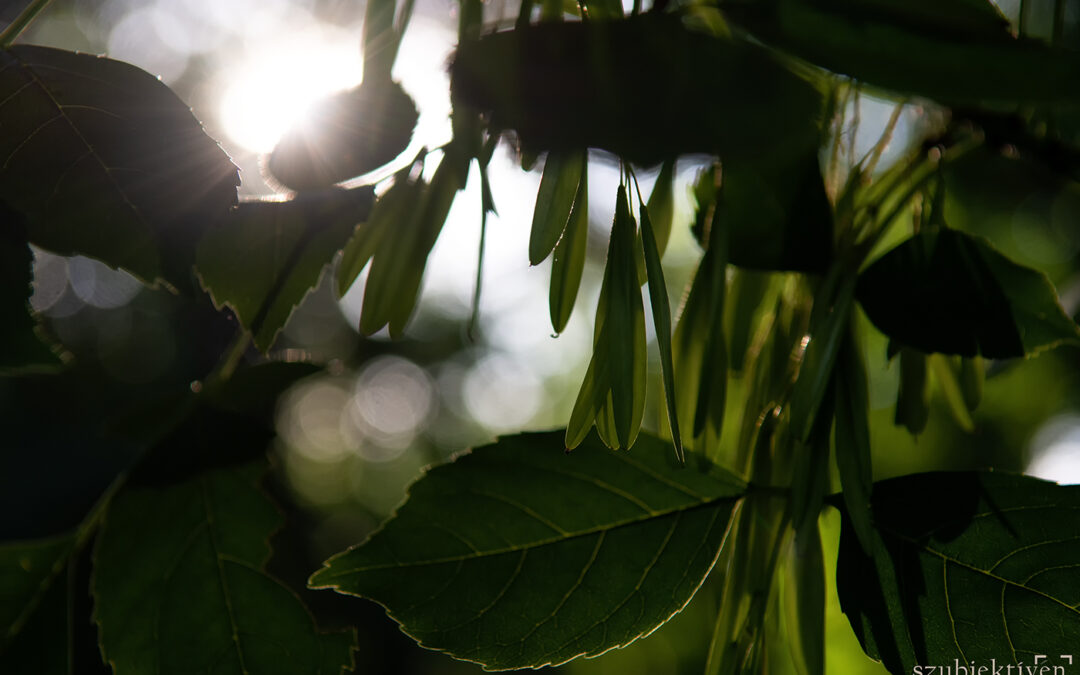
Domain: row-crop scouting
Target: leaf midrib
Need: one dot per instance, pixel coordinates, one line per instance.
(598, 529)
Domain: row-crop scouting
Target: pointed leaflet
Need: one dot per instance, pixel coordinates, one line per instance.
(852, 438)
(393, 284)
(393, 210)
(951, 292)
(613, 391)
(661, 205)
(519, 555)
(266, 256)
(984, 567)
(21, 347)
(554, 200)
(104, 160)
(956, 51)
(804, 600)
(661, 310)
(569, 260)
(179, 585)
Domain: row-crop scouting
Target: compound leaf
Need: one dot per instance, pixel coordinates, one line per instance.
(179, 584)
(520, 555)
(104, 160)
(970, 566)
(266, 256)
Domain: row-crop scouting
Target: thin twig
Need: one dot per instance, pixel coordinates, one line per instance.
(22, 22)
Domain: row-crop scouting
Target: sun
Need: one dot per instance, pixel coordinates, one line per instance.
(277, 81)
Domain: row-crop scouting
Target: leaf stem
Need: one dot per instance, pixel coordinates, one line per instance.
(229, 360)
(22, 22)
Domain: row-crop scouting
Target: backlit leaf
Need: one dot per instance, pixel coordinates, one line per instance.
(265, 257)
(913, 398)
(393, 284)
(661, 205)
(179, 584)
(661, 310)
(105, 161)
(554, 200)
(569, 261)
(967, 566)
(519, 555)
(947, 291)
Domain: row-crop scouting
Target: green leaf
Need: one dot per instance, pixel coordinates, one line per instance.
(959, 52)
(661, 311)
(748, 295)
(22, 349)
(394, 209)
(661, 205)
(393, 284)
(971, 381)
(613, 391)
(945, 373)
(569, 261)
(262, 260)
(179, 584)
(969, 566)
(828, 324)
(804, 600)
(346, 134)
(569, 85)
(554, 201)
(777, 218)
(105, 161)
(951, 292)
(519, 555)
(852, 439)
(700, 351)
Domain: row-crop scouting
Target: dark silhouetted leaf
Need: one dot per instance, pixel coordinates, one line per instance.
(554, 201)
(520, 555)
(569, 261)
(958, 52)
(913, 397)
(661, 310)
(967, 566)
(22, 349)
(748, 294)
(394, 209)
(947, 291)
(346, 134)
(179, 585)
(971, 381)
(255, 390)
(104, 160)
(777, 219)
(265, 257)
(569, 85)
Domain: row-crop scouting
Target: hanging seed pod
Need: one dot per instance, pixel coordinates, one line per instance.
(345, 135)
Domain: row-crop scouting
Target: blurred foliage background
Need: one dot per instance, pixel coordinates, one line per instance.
(351, 438)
